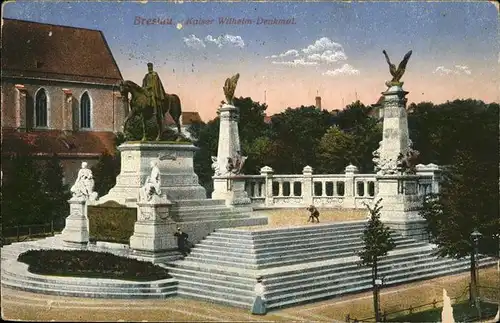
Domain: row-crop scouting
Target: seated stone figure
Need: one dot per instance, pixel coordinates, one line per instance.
(152, 184)
(84, 184)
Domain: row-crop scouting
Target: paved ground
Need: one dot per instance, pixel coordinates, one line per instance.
(36, 307)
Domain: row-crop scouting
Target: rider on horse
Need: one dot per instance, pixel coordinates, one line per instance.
(156, 94)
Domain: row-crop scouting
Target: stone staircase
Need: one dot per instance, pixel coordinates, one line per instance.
(299, 264)
(196, 210)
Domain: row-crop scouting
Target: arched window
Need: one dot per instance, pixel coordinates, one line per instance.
(85, 111)
(41, 109)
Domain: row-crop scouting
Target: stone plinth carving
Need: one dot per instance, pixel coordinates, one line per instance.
(174, 162)
(153, 231)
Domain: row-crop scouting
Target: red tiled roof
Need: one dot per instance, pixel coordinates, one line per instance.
(33, 49)
(76, 144)
(188, 118)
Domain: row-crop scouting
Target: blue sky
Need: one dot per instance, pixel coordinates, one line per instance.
(442, 35)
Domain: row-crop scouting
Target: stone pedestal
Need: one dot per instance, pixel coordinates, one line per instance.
(153, 238)
(231, 189)
(401, 203)
(76, 231)
(229, 137)
(395, 137)
(175, 161)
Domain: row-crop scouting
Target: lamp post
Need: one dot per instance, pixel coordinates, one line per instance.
(475, 235)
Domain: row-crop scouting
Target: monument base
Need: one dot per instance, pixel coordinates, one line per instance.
(76, 230)
(154, 229)
(175, 161)
(401, 204)
(231, 190)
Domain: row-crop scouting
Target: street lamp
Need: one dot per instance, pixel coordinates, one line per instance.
(475, 235)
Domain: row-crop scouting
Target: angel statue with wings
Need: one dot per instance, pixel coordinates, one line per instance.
(396, 73)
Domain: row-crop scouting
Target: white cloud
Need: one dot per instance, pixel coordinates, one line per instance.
(229, 40)
(464, 69)
(457, 70)
(328, 56)
(296, 62)
(322, 45)
(346, 69)
(291, 52)
(194, 42)
(322, 51)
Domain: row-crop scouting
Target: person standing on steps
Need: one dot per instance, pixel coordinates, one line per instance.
(259, 303)
(182, 241)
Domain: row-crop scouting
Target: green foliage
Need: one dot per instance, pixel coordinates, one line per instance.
(297, 133)
(105, 172)
(335, 151)
(32, 192)
(111, 222)
(55, 207)
(84, 263)
(376, 237)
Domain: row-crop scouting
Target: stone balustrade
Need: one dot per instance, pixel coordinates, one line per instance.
(348, 190)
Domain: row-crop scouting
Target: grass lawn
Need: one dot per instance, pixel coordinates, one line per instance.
(84, 263)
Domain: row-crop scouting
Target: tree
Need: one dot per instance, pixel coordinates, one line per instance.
(377, 243)
(335, 151)
(54, 205)
(468, 197)
(105, 172)
(22, 198)
(297, 133)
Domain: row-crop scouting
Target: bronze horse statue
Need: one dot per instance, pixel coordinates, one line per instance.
(139, 106)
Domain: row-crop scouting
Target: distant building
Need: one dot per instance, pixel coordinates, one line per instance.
(318, 103)
(188, 118)
(59, 93)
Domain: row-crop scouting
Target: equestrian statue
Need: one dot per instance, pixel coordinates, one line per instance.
(396, 73)
(151, 100)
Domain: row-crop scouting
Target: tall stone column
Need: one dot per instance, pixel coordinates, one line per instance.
(395, 137)
(398, 191)
(229, 161)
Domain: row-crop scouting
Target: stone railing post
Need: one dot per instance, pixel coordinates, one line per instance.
(430, 170)
(350, 186)
(307, 185)
(268, 184)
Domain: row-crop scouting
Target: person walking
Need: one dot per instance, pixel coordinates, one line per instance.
(259, 303)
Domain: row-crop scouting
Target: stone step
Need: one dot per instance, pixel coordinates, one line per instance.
(320, 267)
(262, 256)
(187, 276)
(103, 294)
(28, 284)
(203, 291)
(353, 274)
(299, 229)
(289, 235)
(217, 299)
(211, 216)
(357, 285)
(198, 203)
(214, 287)
(230, 272)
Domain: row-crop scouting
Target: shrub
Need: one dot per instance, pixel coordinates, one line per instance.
(84, 263)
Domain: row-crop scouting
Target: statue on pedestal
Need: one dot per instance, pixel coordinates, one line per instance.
(396, 73)
(151, 100)
(230, 87)
(84, 184)
(152, 184)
